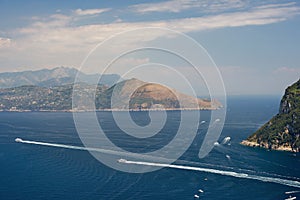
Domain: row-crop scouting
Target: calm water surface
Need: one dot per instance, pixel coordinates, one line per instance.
(41, 172)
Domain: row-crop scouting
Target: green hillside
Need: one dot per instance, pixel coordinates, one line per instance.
(283, 130)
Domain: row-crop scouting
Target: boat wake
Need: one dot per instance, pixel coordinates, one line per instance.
(269, 179)
(72, 147)
(291, 183)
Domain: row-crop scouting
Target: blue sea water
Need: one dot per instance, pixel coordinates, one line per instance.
(41, 172)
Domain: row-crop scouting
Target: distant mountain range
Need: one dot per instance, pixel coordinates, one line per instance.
(51, 90)
(52, 77)
(282, 132)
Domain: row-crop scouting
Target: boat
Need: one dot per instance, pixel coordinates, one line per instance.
(196, 196)
(201, 191)
(291, 198)
(18, 140)
(122, 160)
(226, 140)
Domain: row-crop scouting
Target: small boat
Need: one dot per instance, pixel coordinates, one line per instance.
(122, 160)
(291, 198)
(196, 196)
(216, 144)
(18, 140)
(201, 191)
(226, 140)
(292, 192)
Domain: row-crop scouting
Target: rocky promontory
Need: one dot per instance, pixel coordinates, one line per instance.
(282, 132)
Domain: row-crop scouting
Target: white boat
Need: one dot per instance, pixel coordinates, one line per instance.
(226, 140)
(196, 196)
(291, 198)
(216, 144)
(201, 191)
(18, 140)
(122, 160)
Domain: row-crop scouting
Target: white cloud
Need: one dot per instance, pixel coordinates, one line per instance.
(256, 16)
(277, 5)
(90, 11)
(176, 6)
(56, 41)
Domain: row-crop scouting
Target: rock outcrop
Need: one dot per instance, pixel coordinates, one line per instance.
(282, 132)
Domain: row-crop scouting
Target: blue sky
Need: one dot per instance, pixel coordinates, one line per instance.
(255, 44)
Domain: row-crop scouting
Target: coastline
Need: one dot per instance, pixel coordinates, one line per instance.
(265, 146)
(115, 110)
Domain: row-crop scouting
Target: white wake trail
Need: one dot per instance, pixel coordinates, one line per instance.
(281, 181)
(71, 147)
(220, 172)
(99, 150)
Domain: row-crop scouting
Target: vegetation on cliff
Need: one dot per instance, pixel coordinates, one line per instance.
(282, 132)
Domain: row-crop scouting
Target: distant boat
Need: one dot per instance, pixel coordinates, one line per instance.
(291, 198)
(216, 144)
(122, 160)
(18, 140)
(201, 191)
(292, 192)
(226, 140)
(196, 196)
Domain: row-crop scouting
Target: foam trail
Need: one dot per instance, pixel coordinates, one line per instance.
(220, 172)
(105, 151)
(71, 147)
(208, 170)
(291, 192)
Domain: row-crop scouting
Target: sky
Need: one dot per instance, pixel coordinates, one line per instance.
(254, 44)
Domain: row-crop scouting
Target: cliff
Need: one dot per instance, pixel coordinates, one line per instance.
(283, 130)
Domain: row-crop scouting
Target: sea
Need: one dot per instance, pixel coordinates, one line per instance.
(230, 171)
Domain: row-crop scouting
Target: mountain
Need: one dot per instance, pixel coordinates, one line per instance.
(282, 132)
(143, 95)
(52, 77)
(139, 94)
(36, 98)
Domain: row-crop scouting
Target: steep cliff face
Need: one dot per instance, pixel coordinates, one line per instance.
(291, 99)
(282, 132)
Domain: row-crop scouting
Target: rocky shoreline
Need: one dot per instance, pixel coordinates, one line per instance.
(266, 146)
(281, 132)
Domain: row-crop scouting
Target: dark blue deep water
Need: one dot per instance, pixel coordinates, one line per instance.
(40, 172)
